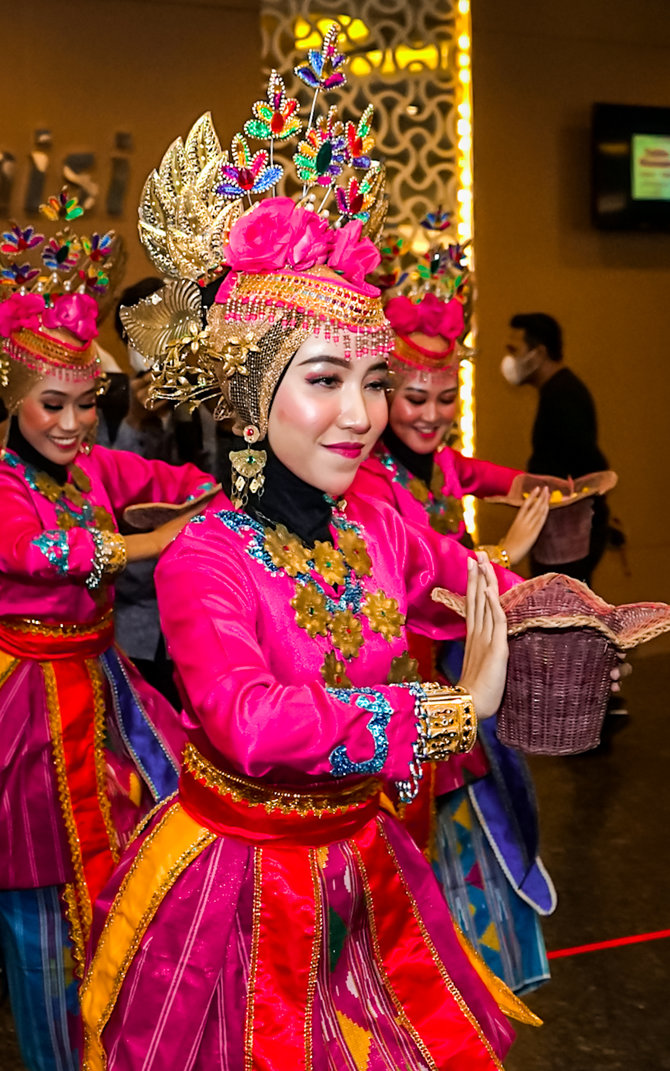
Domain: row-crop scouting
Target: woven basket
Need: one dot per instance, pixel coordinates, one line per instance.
(566, 534)
(563, 642)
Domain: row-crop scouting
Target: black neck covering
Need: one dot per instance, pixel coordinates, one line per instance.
(420, 465)
(285, 499)
(17, 442)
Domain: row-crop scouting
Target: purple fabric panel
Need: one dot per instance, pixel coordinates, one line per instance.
(190, 969)
(33, 845)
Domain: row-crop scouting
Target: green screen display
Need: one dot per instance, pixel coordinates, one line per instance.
(650, 165)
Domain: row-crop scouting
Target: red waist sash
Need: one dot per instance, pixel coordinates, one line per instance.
(267, 814)
(75, 696)
(286, 828)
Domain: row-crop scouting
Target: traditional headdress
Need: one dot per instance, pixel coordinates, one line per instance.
(433, 301)
(281, 270)
(50, 302)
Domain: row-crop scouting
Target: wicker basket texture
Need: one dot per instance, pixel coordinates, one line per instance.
(564, 640)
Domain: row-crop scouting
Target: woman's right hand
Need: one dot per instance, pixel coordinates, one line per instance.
(485, 661)
(527, 524)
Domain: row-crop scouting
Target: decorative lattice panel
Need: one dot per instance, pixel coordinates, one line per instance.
(411, 58)
(404, 57)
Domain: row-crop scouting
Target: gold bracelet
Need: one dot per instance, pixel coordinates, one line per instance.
(447, 722)
(109, 557)
(117, 555)
(497, 554)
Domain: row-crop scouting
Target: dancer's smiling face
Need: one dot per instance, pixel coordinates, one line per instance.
(56, 416)
(327, 413)
(423, 408)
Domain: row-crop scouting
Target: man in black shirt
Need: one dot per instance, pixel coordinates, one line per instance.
(565, 434)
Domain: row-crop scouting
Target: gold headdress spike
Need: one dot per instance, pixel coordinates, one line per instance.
(294, 267)
(184, 220)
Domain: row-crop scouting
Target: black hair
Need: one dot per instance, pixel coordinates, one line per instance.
(131, 295)
(540, 329)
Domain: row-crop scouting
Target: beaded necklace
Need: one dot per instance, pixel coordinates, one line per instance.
(338, 617)
(72, 509)
(445, 512)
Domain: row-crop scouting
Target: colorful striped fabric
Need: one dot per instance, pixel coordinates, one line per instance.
(43, 991)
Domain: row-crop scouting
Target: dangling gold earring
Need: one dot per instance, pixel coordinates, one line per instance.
(248, 477)
(90, 437)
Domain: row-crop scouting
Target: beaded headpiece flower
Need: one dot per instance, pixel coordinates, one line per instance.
(52, 290)
(434, 300)
(282, 269)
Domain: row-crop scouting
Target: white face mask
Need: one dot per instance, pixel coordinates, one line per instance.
(137, 361)
(516, 370)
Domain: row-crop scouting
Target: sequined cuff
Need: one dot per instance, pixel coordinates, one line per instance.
(109, 557)
(497, 554)
(447, 722)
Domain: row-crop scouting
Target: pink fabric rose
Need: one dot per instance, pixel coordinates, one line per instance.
(20, 310)
(259, 241)
(354, 257)
(77, 313)
(403, 315)
(431, 316)
(444, 318)
(311, 240)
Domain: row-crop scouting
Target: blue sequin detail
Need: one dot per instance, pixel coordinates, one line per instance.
(55, 547)
(352, 593)
(374, 701)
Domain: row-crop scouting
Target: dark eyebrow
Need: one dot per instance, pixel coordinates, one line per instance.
(341, 362)
(62, 394)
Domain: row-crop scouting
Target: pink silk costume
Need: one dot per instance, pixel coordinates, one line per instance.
(51, 626)
(296, 936)
(381, 477)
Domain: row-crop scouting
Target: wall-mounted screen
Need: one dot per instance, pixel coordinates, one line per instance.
(631, 167)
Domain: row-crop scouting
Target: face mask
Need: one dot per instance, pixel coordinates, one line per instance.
(516, 370)
(137, 361)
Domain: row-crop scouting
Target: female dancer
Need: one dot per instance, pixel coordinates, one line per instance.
(475, 817)
(274, 907)
(412, 467)
(86, 746)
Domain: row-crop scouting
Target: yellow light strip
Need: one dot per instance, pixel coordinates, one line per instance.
(465, 230)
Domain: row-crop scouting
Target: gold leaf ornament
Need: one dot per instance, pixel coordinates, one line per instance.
(163, 318)
(310, 610)
(285, 549)
(329, 563)
(346, 633)
(183, 221)
(334, 672)
(383, 614)
(353, 550)
(232, 360)
(403, 669)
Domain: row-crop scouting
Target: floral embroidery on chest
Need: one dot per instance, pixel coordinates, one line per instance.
(73, 510)
(444, 512)
(336, 615)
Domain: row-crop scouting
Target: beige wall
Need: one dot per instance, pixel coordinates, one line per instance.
(88, 68)
(537, 68)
